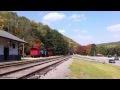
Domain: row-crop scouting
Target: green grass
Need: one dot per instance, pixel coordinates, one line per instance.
(81, 69)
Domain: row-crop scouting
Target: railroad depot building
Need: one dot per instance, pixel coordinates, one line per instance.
(9, 46)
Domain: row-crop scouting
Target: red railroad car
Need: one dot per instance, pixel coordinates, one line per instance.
(35, 52)
(50, 52)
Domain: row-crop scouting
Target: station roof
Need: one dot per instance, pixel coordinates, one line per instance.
(7, 35)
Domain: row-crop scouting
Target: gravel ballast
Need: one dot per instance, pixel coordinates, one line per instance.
(60, 72)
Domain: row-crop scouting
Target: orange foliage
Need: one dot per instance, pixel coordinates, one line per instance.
(36, 44)
(84, 50)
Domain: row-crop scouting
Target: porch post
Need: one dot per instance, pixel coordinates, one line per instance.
(19, 56)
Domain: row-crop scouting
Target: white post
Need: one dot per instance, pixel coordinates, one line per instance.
(94, 53)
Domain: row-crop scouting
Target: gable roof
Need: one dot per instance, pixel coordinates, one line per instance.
(7, 35)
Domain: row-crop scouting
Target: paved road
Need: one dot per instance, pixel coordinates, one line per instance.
(101, 59)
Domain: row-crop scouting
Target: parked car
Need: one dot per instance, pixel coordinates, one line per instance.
(116, 58)
(111, 61)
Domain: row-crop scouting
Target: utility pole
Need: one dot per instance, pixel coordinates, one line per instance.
(8, 23)
(8, 26)
(94, 53)
(23, 48)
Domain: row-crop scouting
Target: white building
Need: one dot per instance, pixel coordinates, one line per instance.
(9, 45)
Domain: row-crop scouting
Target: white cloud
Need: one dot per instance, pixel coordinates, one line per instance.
(114, 28)
(77, 17)
(78, 31)
(84, 37)
(116, 36)
(54, 16)
(62, 31)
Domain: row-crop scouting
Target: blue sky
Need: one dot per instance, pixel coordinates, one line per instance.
(84, 27)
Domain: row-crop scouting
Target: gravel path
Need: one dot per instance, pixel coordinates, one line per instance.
(60, 72)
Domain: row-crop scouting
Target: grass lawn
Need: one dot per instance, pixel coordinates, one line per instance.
(81, 69)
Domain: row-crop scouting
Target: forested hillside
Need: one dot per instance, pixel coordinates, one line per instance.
(111, 48)
(32, 32)
(111, 44)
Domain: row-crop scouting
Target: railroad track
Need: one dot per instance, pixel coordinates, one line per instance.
(16, 63)
(26, 71)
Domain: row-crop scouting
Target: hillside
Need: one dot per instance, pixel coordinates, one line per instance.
(32, 32)
(110, 44)
(111, 48)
